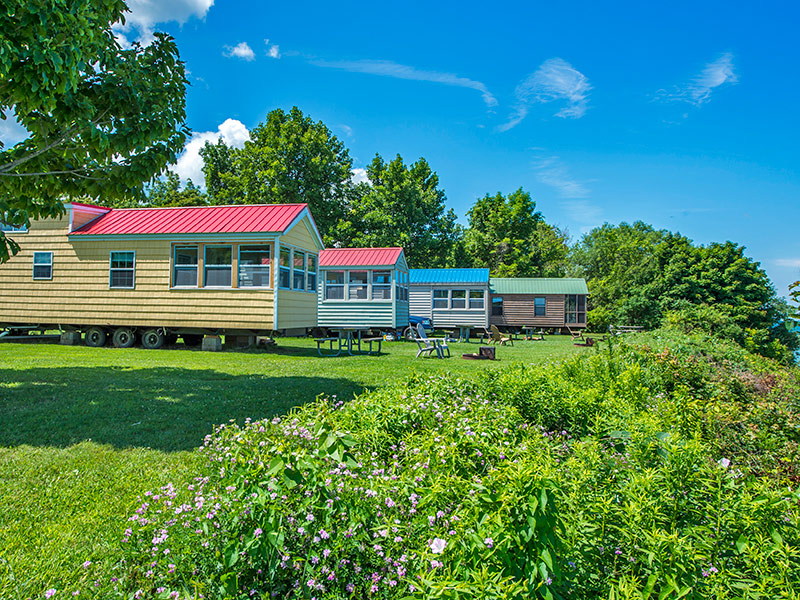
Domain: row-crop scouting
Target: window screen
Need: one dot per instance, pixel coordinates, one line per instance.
(184, 273)
(121, 270)
(218, 266)
(42, 265)
(254, 266)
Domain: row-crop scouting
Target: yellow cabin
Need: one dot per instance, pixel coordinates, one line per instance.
(155, 273)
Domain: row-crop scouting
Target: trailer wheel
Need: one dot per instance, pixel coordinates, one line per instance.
(192, 340)
(409, 334)
(123, 337)
(153, 339)
(95, 337)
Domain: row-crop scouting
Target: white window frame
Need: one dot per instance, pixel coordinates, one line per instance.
(50, 264)
(465, 299)
(216, 267)
(309, 288)
(111, 269)
(6, 228)
(482, 298)
(446, 299)
(373, 285)
(239, 266)
(175, 266)
(342, 286)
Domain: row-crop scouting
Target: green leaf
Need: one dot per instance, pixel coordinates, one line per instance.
(741, 543)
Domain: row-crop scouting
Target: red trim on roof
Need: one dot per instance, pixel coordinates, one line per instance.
(242, 218)
(359, 257)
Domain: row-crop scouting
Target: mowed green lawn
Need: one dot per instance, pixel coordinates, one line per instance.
(84, 431)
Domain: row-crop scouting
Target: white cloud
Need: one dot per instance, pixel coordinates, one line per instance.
(388, 68)
(698, 90)
(190, 163)
(11, 132)
(273, 51)
(241, 50)
(554, 80)
(144, 14)
(360, 176)
(792, 263)
(552, 172)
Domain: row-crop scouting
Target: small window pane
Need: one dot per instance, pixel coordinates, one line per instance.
(122, 260)
(299, 273)
(334, 285)
(185, 272)
(357, 290)
(122, 279)
(311, 276)
(42, 265)
(476, 298)
(497, 306)
(121, 270)
(186, 255)
(459, 299)
(539, 307)
(254, 266)
(218, 255)
(440, 298)
(218, 266)
(382, 285)
(285, 276)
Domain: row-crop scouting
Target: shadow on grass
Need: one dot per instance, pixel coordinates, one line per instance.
(163, 408)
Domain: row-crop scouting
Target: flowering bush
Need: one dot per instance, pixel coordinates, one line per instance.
(613, 474)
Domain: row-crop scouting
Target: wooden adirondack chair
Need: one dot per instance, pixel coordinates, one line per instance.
(498, 337)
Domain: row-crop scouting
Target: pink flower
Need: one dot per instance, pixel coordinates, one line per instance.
(87, 564)
(724, 463)
(50, 593)
(438, 545)
(489, 542)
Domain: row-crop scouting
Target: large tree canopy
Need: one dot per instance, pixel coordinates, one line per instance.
(289, 158)
(101, 120)
(402, 206)
(638, 275)
(510, 237)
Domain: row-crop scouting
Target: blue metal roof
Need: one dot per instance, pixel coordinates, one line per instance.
(442, 276)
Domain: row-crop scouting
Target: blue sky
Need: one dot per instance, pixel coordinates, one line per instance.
(683, 115)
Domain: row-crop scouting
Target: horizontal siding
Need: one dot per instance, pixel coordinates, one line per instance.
(401, 317)
(79, 294)
(420, 300)
(296, 309)
(518, 311)
(354, 314)
(300, 237)
(451, 318)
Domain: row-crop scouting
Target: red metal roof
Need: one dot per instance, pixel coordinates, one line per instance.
(245, 218)
(359, 257)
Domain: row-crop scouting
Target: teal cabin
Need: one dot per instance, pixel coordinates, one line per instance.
(363, 287)
(451, 297)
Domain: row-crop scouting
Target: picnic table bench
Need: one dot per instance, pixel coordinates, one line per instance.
(348, 339)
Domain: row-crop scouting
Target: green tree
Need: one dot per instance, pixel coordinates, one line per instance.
(101, 121)
(510, 237)
(168, 192)
(289, 159)
(402, 206)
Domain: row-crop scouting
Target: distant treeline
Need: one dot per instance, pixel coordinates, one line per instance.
(636, 274)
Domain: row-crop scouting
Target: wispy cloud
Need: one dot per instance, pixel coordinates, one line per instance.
(388, 68)
(554, 80)
(554, 173)
(273, 50)
(241, 50)
(792, 263)
(360, 176)
(698, 91)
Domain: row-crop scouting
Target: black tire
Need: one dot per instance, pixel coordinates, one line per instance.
(192, 340)
(123, 337)
(153, 339)
(95, 337)
(408, 334)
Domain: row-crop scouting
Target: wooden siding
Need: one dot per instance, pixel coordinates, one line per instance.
(300, 237)
(518, 311)
(421, 300)
(79, 294)
(452, 317)
(296, 309)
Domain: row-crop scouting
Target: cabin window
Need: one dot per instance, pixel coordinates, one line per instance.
(439, 298)
(184, 272)
(334, 285)
(284, 262)
(311, 276)
(476, 299)
(381, 285)
(42, 265)
(539, 307)
(299, 271)
(218, 266)
(575, 308)
(254, 266)
(403, 277)
(357, 290)
(121, 270)
(497, 306)
(458, 299)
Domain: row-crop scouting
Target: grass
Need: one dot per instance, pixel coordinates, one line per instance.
(86, 430)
